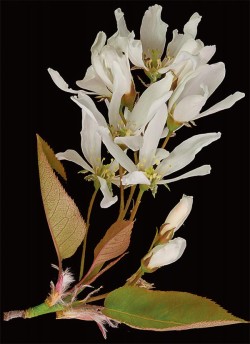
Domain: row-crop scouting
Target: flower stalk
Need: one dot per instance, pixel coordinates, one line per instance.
(137, 203)
(91, 203)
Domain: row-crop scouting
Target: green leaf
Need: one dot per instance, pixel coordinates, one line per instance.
(114, 243)
(64, 219)
(165, 310)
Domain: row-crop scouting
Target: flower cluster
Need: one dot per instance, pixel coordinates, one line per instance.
(181, 81)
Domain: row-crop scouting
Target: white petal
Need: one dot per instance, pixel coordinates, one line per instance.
(135, 178)
(132, 142)
(149, 102)
(116, 151)
(99, 42)
(183, 154)
(72, 155)
(121, 24)
(206, 53)
(58, 80)
(209, 75)
(183, 43)
(161, 154)
(90, 140)
(189, 107)
(93, 82)
(224, 104)
(190, 46)
(87, 104)
(114, 166)
(121, 86)
(152, 137)
(153, 31)
(168, 253)
(199, 171)
(108, 198)
(135, 53)
(191, 26)
(178, 214)
(100, 55)
(164, 133)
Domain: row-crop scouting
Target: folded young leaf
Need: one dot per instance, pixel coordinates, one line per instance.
(114, 243)
(64, 219)
(165, 310)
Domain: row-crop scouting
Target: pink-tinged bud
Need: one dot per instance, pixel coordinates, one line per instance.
(177, 215)
(166, 254)
(58, 291)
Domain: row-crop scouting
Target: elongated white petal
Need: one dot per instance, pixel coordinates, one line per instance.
(191, 46)
(90, 140)
(108, 198)
(167, 254)
(99, 42)
(58, 80)
(114, 166)
(150, 101)
(152, 137)
(153, 31)
(94, 83)
(72, 155)
(87, 104)
(116, 151)
(178, 214)
(189, 107)
(224, 104)
(165, 132)
(209, 75)
(207, 53)
(191, 26)
(121, 86)
(135, 53)
(183, 154)
(199, 171)
(161, 154)
(135, 178)
(132, 142)
(121, 23)
(99, 58)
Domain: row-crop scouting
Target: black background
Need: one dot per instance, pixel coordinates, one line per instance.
(38, 35)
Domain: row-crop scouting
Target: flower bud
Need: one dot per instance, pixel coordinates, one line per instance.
(166, 254)
(177, 215)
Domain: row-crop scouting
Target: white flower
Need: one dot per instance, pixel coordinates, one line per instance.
(128, 131)
(109, 72)
(156, 163)
(109, 76)
(165, 254)
(91, 148)
(177, 215)
(183, 54)
(191, 94)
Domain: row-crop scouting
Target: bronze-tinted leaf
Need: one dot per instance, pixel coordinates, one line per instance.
(165, 310)
(114, 243)
(64, 219)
